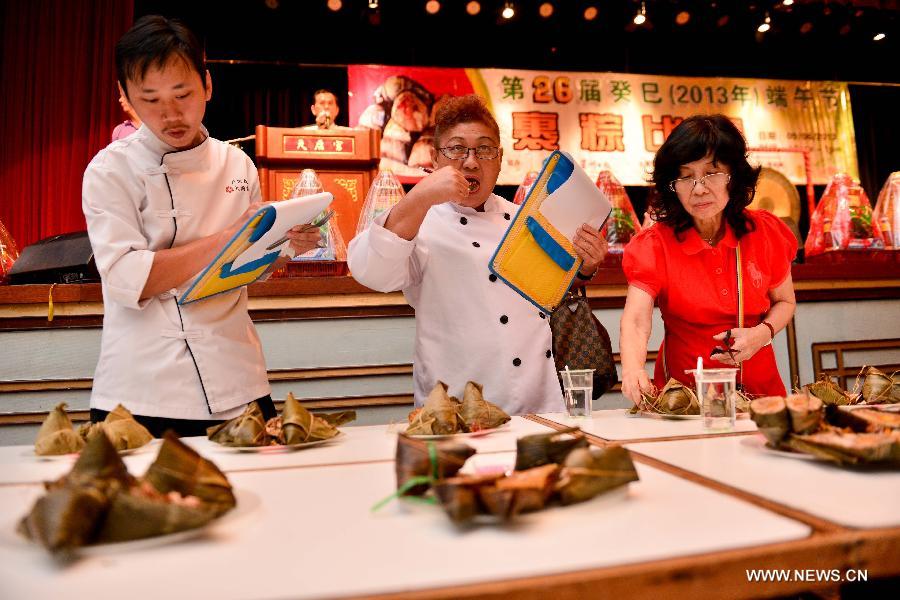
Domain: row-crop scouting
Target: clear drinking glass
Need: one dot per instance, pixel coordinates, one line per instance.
(716, 394)
(578, 387)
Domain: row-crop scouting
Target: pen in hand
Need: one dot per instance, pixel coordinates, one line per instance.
(308, 227)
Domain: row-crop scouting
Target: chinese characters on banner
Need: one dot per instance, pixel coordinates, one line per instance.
(618, 121)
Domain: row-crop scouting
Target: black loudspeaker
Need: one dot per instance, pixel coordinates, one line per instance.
(66, 258)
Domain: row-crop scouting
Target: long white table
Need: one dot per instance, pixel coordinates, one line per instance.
(854, 498)
(310, 533)
(370, 443)
(619, 425)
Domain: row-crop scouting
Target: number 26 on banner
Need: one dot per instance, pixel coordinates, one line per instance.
(545, 92)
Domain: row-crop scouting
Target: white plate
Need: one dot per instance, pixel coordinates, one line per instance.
(247, 503)
(473, 434)
(275, 449)
(73, 456)
(667, 417)
(758, 443)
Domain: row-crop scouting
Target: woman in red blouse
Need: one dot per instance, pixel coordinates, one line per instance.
(687, 263)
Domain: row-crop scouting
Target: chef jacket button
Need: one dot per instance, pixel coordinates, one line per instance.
(549, 354)
(542, 315)
(504, 319)
(517, 362)
(492, 277)
(506, 216)
(719, 271)
(724, 292)
(476, 244)
(463, 220)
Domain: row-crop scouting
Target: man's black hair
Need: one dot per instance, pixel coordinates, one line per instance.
(152, 42)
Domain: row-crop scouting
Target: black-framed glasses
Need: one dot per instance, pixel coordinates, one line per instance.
(460, 152)
(686, 185)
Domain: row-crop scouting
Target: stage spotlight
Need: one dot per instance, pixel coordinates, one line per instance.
(765, 25)
(878, 37)
(432, 7)
(590, 13)
(722, 21)
(373, 4)
(683, 17)
(509, 11)
(845, 29)
(806, 27)
(473, 7)
(545, 9)
(788, 2)
(641, 17)
(335, 5)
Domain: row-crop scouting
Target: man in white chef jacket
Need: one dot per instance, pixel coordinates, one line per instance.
(160, 204)
(435, 246)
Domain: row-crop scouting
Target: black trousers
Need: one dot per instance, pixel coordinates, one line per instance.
(157, 426)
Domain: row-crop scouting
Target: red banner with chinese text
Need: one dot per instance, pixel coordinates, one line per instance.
(607, 121)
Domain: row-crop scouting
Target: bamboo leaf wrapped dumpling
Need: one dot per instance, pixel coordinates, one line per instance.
(57, 435)
(247, 429)
(439, 415)
(588, 472)
(477, 413)
(69, 515)
(301, 426)
(178, 468)
(124, 431)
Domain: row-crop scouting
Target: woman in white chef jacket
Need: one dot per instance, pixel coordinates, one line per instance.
(435, 246)
(159, 206)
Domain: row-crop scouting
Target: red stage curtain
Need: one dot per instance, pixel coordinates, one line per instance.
(58, 109)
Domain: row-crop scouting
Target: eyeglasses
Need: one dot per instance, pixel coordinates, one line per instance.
(460, 152)
(686, 185)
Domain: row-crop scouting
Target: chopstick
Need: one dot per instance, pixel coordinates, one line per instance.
(308, 227)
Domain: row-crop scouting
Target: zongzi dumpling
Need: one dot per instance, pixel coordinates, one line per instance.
(247, 429)
(477, 413)
(57, 435)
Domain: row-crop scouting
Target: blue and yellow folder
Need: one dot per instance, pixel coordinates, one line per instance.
(247, 256)
(536, 256)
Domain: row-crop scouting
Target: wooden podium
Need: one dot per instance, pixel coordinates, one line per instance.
(346, 161)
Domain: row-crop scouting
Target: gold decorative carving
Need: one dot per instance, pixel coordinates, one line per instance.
(351, 185)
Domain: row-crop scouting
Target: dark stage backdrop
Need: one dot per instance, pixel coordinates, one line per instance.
(59, 96)
(59, 107)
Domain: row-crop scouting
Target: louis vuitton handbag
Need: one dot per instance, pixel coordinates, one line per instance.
(581, 342)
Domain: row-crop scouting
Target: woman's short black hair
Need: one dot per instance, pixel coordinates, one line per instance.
(152, 42)
(695, 138)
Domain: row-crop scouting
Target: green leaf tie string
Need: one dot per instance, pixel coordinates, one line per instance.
(415, 481)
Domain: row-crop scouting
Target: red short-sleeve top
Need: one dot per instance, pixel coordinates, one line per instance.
(695, 286)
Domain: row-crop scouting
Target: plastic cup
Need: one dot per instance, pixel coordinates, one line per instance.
(578, 387)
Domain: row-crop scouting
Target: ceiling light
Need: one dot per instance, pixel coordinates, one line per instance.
(641, 17)
(508, 11)
(683, 17)
(473, 7)
(432, 7)
(806, 27)
(765, 25)
(373, 4)
(879, 36)
(590, 13)
(545, 9)
(788, 2)
(722, 21)
(335, 5)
